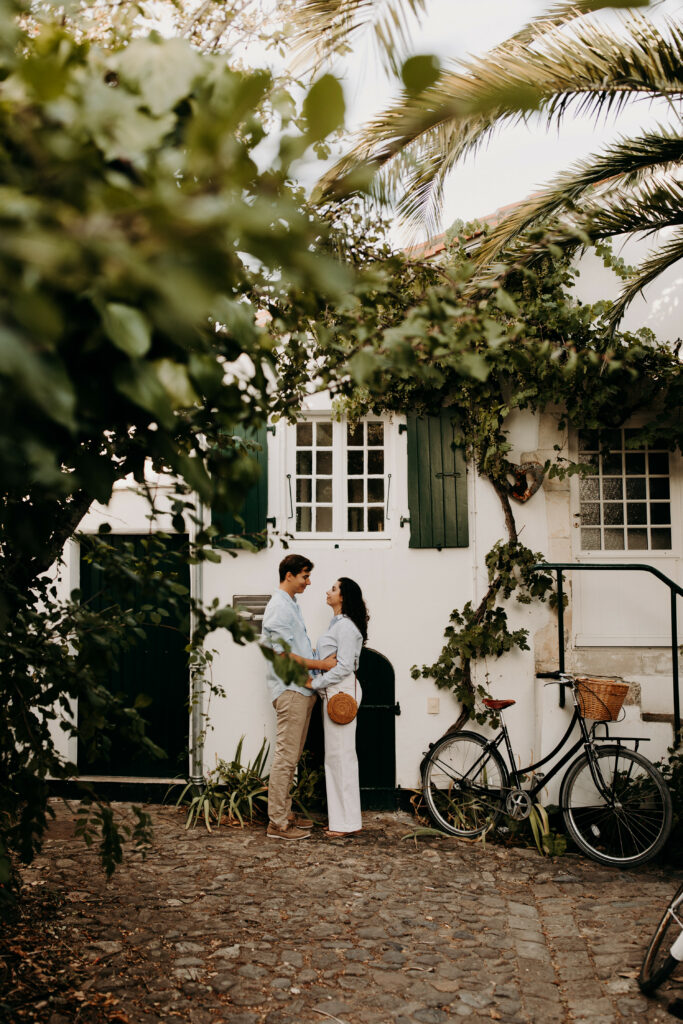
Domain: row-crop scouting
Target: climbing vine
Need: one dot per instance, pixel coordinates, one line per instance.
(435, 337)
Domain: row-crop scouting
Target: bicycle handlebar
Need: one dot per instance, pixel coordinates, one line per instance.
(564, 678)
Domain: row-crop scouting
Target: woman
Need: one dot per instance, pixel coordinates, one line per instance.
(345, 637)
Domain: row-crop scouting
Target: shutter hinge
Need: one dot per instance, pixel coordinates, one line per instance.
(270, 430)
(403, 428)
(271, 520)
(397, 709)
(403, 520)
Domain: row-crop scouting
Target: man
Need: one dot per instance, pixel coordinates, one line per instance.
(283, 621)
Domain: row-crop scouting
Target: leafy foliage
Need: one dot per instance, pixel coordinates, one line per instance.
(672, 771)
(140, 238)
(482, 632)
(438, 337)
(564, 60)
(232, 790)
(308, 793)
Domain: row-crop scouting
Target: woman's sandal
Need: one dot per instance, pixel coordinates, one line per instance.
(340, 835)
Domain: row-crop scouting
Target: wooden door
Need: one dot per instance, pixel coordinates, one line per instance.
(155, 667)
(376, 732)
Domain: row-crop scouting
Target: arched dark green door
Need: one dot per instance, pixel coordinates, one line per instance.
(156, 667)
(376, 732)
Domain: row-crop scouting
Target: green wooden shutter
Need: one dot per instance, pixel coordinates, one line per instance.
(255, 508)
(437, 484)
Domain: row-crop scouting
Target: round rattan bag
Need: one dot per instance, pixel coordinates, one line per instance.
(342, 708)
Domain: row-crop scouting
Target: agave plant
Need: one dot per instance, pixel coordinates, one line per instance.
(236, 792)
(563, 61)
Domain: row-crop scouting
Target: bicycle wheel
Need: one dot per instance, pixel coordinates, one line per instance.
(463, 784)
(624, 820)
(658, 964)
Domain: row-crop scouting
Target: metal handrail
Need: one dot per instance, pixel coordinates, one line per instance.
(674, 591)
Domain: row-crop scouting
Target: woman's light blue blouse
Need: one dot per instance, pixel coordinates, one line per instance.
(343, 638)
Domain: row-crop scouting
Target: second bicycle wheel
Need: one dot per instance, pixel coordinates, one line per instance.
(624, 816)
(463, 784)
(658, 964)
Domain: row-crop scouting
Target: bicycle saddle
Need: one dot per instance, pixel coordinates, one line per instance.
(497, 705)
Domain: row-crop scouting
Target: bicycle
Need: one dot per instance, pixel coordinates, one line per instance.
(615, 804)
(665, 951)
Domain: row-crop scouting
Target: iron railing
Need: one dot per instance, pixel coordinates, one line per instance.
(674, 591)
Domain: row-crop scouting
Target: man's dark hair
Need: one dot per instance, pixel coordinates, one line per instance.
(294, 564)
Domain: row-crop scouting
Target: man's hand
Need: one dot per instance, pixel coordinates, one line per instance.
(328, 663)
(309, 683)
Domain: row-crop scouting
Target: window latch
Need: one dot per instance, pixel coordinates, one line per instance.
(291, 503)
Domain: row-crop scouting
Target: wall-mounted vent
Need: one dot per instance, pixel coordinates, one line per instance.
(251, 607)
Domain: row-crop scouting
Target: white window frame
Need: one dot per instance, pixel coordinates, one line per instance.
(666, 559)
(648, 554)
(339, 504)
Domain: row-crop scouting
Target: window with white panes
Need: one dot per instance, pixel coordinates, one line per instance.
(626, 505)
(340, 481)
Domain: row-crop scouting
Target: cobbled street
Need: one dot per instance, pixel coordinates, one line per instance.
(239, 928)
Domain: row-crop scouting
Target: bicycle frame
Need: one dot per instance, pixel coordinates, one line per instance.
(517, 775)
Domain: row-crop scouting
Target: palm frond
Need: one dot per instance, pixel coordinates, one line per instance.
(592, 69)
(659, 260)
(624, 164)
(649, 207)
(565, 11)
(324, 28)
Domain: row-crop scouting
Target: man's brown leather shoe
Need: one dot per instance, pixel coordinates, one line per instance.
(291, 832)
(299, 821)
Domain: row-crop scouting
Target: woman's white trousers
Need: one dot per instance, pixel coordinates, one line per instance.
(341, 764)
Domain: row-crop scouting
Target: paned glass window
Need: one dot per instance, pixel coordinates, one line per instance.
(340, 477)
(626, 505)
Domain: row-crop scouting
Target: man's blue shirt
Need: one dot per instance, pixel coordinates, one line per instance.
(282, 620)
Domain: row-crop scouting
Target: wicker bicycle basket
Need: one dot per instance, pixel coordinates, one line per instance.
(600, 699)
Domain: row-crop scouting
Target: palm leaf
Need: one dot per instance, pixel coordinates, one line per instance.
(584, 66)
(325, 28)
(625, 164)
(651, 206)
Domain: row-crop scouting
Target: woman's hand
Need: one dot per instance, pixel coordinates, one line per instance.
(328, 663)
(309, 683)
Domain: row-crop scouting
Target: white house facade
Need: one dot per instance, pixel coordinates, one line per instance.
(391, 502)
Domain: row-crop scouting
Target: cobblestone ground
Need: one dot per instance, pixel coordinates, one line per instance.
(238, 928)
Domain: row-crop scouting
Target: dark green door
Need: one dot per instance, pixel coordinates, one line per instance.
(156, 667)
(376, 732)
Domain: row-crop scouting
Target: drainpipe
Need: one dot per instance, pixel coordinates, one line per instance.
(197, 723)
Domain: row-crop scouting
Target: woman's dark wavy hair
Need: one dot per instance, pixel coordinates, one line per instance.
(353, 604)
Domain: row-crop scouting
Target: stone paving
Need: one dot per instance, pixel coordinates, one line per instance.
(239, 928)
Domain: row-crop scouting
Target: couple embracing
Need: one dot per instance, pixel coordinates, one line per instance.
(333, 666)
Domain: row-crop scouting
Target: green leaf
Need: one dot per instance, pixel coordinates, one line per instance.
(505, 302)
(418, 73)
(176, 382)
(324, 108)
(141, 385)
(128, 328)
(163, 71)
(44, 381)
